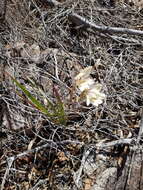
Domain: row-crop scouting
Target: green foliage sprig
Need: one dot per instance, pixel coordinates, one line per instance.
(54, 111)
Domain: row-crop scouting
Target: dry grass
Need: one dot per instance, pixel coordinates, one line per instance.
(120, 72)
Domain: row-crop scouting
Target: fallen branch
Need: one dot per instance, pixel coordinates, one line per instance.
(117, 142)
(83, 22)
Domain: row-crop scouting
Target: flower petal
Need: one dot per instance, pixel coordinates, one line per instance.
(94, 96)
(88, 100)
(84, 73)
(85, 84)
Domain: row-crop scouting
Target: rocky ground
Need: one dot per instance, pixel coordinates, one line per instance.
(44, 45)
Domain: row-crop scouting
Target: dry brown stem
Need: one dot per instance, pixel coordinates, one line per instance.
(83, 22)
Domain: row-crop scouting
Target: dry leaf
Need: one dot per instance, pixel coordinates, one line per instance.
(88, 184)
(61, 156)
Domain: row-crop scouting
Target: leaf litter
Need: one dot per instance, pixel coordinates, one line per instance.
(46, 47)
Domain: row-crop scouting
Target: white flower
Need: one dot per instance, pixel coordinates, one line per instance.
(84, 73)
(88, 88)
(83, 80)
(94, 96)
(85, 84)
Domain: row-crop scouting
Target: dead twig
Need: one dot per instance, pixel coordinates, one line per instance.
(77, 174)
(40, 182)
(124, 40)
(3, 7)
(83, 22)
(52, 2)
(136, 145)
(11, 159)
(117, 142)
(10, 162)
(140, 128)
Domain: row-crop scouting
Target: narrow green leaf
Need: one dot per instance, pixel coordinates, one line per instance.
(60, 107)
(57, 112)
(32, 98)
